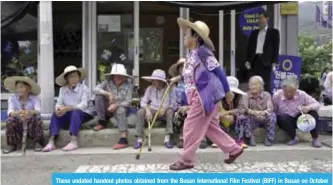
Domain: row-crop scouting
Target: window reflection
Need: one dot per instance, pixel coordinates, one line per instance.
(18, 58)
(150, 43)
(111, 43)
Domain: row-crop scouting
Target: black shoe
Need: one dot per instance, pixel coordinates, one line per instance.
(38, 147)
(9, 149)
(180, 143)
(203, 145)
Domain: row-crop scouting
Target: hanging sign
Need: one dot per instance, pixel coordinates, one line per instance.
(287, 66)
(289, 8)
(248, 20)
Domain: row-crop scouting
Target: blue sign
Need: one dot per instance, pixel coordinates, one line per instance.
(248, 20)
(287, 66)
(192, 178)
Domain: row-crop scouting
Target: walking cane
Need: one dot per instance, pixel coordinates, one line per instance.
(25, 131)
(153, 122)
(149, 136)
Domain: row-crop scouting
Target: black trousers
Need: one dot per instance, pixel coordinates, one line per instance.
(259, 69)
(289, 124)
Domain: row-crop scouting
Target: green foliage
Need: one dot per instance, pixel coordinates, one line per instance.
(315, 57)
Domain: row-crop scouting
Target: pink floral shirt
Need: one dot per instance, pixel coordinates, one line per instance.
(282, 105)
(211, 63)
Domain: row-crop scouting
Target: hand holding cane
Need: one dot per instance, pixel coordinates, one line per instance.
(154, 119)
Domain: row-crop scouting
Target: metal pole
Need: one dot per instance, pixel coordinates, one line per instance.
(181, 35)
(221, 37)
(233, 43)
(46, 60)
(136, 42)
(93, 43)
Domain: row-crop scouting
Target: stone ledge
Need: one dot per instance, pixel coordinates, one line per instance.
(108, 137)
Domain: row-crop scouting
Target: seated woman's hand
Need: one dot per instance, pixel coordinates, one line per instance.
(23, 114)
(228, 118)
(162, 112)
(113, 107)
(225, 113)
(183, 109)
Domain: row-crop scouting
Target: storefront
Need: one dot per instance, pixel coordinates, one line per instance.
(142, 35)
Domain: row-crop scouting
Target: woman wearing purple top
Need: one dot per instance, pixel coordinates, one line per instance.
(23, 108)
(205, 86)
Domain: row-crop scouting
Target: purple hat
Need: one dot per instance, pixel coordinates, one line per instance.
(157, 74)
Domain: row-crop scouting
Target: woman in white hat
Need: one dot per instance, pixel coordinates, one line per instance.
(23, 106)
(233, 112)
(205, 85)
(151, 102)
(72, 107)
(113, 98)
(182, 105)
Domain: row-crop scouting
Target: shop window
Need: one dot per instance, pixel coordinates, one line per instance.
(67, 36)
(115, 43)
(150, 43)
(18, 58)
(111, 47)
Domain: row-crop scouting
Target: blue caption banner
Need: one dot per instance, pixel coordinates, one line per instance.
(192, 178)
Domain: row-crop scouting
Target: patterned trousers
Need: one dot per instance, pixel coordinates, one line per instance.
(178, 123)
(14, 130)
(249, 123)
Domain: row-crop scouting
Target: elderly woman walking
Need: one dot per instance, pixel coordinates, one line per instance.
(289, 103)
(205, 85)
(260, 111)
(72, 107)
(23, 109)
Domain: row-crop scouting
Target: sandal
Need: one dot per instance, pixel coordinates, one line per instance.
(9, 149)
(49, 148)
(70, 147)
(180, 166)
(232, 158)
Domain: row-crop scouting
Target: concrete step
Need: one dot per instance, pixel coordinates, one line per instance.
(110, 136)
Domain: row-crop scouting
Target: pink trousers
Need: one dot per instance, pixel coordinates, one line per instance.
(197, 125)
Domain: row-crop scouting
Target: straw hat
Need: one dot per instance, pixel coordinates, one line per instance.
(157, 74)
(233, 84)
(118, 69)
(200, 28)
(173, 70)
(10, 84)
(61, 81)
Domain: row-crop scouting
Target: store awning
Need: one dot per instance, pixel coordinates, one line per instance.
(18, 13)
(214, 6)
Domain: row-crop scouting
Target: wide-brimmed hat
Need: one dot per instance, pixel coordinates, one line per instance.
(173, 70)
(200, 28)
(118, 69)
(10, 84)
(61, 81)
(233, 84)
(157, 74)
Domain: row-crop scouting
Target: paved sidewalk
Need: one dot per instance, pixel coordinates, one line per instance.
(36, 168)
